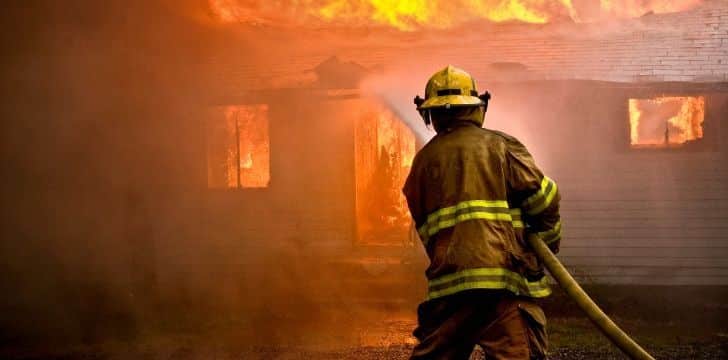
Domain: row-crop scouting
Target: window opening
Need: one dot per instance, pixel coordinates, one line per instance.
(238, 147)
(670, 121)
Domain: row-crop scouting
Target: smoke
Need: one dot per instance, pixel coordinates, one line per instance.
(108, 228)
(397, 89)
(397, 86)
(634, 8)
(96, 95)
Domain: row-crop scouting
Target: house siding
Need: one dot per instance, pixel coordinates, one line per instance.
(630, 216)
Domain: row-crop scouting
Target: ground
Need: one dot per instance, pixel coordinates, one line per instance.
(672, 323)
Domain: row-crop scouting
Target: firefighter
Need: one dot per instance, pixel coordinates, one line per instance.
(475, 194)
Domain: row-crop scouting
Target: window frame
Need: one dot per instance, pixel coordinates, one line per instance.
(711, 125)
(237, 145)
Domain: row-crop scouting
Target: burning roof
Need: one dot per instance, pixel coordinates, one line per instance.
(412, 15)
(689, 45)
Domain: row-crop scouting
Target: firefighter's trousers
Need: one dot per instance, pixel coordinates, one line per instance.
(504, 325)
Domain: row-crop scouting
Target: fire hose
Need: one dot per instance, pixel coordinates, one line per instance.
(582, 299)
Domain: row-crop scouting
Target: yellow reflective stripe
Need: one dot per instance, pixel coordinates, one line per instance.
(467, 204)
(444, 224)
(552, 235)
(549, 198)
(493, 285)
(538, 195)
(542, 199)
(516, 218)
(422, 230)
(501, 279)
(553, 240)
(549, 236)
(435, 221)
(469, 272)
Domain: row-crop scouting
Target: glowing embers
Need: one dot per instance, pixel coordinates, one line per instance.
(666, 121)
(238, 147)
(384, 149)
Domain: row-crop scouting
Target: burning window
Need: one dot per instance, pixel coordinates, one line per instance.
(238, 147)
(666, 121)
(384, 149)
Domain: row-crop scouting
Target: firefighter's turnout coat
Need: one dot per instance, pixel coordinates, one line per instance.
(474, 195)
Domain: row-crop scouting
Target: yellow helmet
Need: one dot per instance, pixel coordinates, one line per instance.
(453, 87)
(450, 87)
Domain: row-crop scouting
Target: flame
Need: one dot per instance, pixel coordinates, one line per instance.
(399, 14)
(246, 160)
(384, 150)
(665, 121)
(411, 15)
(254, 145)
(243, 161)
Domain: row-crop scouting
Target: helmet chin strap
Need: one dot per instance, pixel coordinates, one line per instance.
(423, 113)
(485, 97)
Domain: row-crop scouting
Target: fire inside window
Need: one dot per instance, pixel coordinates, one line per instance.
(238, 147)
(670, 121)
(384, 149)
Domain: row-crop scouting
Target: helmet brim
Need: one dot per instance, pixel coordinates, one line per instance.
(452, 100)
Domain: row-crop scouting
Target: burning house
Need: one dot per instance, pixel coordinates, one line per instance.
(176, 167)
(624, 107)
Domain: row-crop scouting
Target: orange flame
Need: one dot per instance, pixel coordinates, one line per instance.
(254, 145)
(239, 148)
(666, 121)
(400, 14)
(384, 149)
(418, 14)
